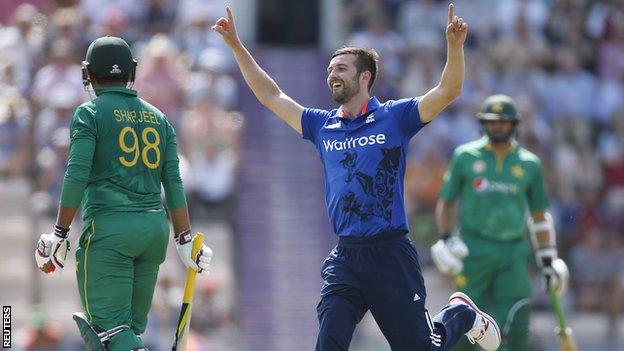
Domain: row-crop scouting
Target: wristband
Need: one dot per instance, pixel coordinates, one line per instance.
(183, 237)
(61, 232)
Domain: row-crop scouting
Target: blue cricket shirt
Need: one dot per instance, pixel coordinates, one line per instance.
(364, 163)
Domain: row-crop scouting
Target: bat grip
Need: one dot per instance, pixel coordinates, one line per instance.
(198, 242)
(557, 309)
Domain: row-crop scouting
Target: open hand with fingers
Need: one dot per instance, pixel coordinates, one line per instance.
(456, 28)
(227, 29)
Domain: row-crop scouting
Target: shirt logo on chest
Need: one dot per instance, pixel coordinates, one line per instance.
(517, 171)
(480, 184)
(353, 142)
(478, 166)
(483, 185)
(370, 118)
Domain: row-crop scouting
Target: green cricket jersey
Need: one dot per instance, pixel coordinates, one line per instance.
(121, 150)
(494, 193)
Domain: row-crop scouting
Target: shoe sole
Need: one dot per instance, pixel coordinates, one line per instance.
(469, 302)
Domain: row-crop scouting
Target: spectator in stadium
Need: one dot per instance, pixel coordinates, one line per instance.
(14, 119)
(57, 73)
(162, 75)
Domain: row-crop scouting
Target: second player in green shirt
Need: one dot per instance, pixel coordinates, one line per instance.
(498, 184)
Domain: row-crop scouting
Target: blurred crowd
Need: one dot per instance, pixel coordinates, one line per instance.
(183, 69)
(562, 63)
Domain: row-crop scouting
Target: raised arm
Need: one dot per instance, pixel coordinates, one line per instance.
(263, 86)
(452, 80)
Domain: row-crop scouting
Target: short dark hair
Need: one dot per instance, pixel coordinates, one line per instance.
(112, 80)
(365, 60)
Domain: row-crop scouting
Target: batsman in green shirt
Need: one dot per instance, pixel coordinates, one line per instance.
(498, 184)
(121, 150)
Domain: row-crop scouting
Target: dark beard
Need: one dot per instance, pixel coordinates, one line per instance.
(500, 139)
(346, 94)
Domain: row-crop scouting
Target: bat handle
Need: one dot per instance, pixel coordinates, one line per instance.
(562, 325)
(198, 242)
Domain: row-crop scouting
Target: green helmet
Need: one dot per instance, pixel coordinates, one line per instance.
(499, 107)
(109, 57)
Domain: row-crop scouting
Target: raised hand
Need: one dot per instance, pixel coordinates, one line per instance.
(226, 27)
(456, 28)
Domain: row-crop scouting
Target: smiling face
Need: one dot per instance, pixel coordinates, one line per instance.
(343, 78)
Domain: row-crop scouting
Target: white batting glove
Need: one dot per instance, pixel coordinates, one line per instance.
(556, 277)
(545, 255)
(52, 250)
(447, 254)
(457, 246)
(184, 245)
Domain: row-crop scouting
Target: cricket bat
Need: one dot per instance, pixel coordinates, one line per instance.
(182, 329)
(562, 330)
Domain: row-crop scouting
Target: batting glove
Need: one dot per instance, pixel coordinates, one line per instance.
(545, 255)
(448, 253)
(556, 276)
(184, 245)
(52, 250)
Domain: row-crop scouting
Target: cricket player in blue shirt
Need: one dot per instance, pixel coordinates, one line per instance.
(362, 146)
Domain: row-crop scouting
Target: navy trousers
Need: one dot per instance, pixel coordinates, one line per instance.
(382, 274)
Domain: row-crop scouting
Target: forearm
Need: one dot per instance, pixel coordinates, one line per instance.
(262, 85)
(542, 232)
(65, 216)
(444, 217)
(449, 88)
(171, 180)
(180, 219)
(543, 236)
(72, 192)
(452, 79)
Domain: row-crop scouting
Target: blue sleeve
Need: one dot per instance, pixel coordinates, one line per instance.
(406, 111)
(312, 120)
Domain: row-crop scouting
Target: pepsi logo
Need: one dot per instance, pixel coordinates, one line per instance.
(480, 184)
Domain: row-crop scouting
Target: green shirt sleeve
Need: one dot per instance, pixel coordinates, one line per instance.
(174, 190)
(83, 135)
(536, 195)
(452, 179)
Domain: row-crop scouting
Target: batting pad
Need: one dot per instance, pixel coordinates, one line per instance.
(93, 340)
